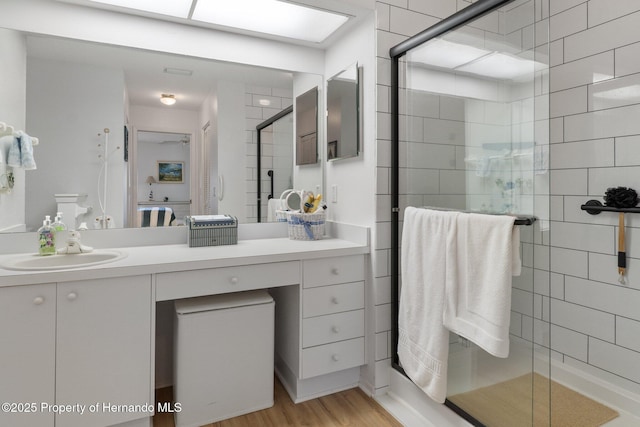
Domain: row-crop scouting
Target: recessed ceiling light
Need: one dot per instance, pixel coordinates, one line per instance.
(179, 8)
(167, 99)
(271, 17)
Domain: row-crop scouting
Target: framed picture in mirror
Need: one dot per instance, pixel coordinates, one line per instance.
(170, 172)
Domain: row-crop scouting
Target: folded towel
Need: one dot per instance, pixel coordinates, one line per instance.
(21, 152)
(428, 239)
(478, 280)
(155, 217)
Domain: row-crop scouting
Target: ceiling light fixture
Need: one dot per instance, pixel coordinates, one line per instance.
(167, 99)
(179, 8)
(275, 17)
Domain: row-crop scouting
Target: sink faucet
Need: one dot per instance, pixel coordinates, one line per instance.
(74, 246)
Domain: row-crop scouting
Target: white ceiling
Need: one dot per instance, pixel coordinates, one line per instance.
(144, 70)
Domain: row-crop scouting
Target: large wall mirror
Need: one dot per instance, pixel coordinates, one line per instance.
(76, 89)
(343, 114)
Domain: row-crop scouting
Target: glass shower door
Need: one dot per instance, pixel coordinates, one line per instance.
(275, 166)
(473, 136)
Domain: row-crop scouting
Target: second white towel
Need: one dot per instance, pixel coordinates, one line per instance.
(478, 280)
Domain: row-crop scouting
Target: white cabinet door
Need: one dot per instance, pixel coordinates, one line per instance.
(103, 354)
(27, 354)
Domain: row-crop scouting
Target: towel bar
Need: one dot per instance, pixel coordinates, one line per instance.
(520, 220)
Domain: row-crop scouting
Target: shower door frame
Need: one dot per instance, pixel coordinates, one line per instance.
(460, 18)
(259, 129)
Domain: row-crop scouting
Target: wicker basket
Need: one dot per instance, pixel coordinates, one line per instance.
(306, 226)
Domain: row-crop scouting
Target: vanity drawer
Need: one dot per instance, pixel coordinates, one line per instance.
(330, 271)
(333, 357)
(186, 284)
(332, 299)
(332, 328)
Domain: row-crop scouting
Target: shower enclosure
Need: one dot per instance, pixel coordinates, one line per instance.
(470, 133)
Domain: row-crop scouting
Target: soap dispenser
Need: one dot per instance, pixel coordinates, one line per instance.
(58, 225)
(47, 237)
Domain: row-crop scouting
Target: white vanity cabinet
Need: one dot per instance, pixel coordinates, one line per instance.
(320, 327)
(103, 352)
(76, 343)
(27, 353)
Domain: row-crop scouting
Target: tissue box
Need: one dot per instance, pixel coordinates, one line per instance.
(212, 230)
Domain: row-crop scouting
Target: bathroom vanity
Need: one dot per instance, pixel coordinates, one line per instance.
(85, 337)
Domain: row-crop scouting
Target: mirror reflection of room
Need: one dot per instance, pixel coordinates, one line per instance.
(163, 165)
(218, 105)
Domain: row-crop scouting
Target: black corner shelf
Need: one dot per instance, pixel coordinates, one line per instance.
(594, 207)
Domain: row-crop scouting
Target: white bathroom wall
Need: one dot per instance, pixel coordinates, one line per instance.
(232, 149)
(13, 112)
(595, 144)
(355, 182)
(206, 200)
(64, 103)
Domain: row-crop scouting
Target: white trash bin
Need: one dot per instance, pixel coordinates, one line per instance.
(223, 362)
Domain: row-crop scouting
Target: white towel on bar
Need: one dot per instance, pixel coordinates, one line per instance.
(478, 280)
(423, 345)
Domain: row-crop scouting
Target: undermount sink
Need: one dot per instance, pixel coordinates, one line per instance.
(59, 262)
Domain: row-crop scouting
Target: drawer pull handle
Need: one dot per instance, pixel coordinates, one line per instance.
(335, 329)
(38, 300)
(72, 296)
(334, 300)
(335, 357)
(234, 280)
(335, 271)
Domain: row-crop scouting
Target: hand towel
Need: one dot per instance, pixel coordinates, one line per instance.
(26, 151)
(428, 237)
(478, 280)
(21, 152)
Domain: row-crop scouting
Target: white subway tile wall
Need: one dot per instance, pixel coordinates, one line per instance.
(595, 135)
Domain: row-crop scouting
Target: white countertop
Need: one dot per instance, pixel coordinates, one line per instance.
(179, 257)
